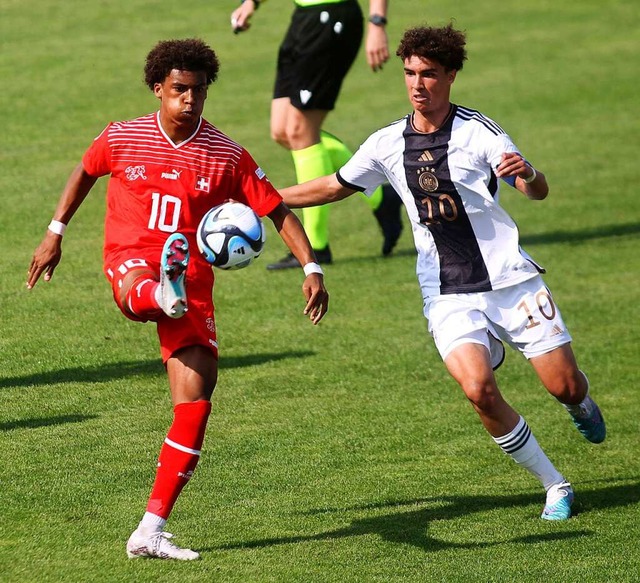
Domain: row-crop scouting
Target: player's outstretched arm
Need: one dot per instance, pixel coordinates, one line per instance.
(314, 192)
(48, 254)
(290, 229)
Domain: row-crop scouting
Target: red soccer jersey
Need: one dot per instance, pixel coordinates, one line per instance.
(158, 187)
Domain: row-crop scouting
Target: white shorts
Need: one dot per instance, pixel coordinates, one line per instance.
(523, 315)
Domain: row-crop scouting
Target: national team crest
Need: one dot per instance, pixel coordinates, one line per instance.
(427, 180)
(203, 183)
(135, 172)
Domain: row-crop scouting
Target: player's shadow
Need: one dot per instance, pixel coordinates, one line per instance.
(600, 232)
(118, 370)
(34, 423)
(258, 359)
(572, 237)
(410, 524)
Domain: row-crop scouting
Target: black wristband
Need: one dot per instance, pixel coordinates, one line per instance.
(256, 3)
(377, 20)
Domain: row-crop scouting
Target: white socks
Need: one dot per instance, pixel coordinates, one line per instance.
(522, 447)
(151, 523)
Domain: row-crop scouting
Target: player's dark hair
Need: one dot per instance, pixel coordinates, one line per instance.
(190, 54)
(446, 45)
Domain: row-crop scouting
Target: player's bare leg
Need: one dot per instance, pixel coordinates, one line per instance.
(193, 374)
(470, 365)
(137, 293)
(560, 374)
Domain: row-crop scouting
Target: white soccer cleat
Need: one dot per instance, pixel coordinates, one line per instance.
(157, 546)
(558, 504)
(173, 266)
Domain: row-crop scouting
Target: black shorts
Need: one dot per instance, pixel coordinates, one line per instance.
(317, 52)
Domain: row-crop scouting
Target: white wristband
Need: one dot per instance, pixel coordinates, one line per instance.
(312, 267)
(532, 177)
(57, 227)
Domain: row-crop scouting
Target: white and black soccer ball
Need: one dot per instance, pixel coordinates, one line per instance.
(230, 235)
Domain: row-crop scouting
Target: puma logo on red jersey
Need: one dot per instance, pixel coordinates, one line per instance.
(173, 175)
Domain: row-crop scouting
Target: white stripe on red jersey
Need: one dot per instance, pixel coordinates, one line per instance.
(158, 187)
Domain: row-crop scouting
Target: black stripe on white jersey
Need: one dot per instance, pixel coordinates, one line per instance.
(347, 184)
(469, 114)
(472, 114)
(492, 187)
(462, 267)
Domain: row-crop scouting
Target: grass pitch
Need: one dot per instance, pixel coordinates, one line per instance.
(343, 452)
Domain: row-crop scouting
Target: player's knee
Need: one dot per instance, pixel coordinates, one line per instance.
(483, 394)
(193, 373)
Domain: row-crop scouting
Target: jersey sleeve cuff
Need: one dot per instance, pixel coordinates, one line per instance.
(264, 209)
(348, 184)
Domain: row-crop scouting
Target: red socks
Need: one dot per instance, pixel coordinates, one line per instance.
(179, 455)
(141, 297)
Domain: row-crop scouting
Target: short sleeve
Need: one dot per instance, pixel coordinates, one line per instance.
(363, 172)
(253, 187)
(495, 147)
(97, 159)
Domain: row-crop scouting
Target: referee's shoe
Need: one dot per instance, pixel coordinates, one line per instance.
(289, 261)
(388, 217)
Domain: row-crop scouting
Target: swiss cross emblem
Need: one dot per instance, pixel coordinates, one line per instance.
(203, 183)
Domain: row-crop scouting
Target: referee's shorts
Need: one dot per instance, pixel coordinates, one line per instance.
(317, 52)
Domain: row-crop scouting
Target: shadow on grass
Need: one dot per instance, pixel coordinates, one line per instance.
(410, 525)
(44, 422)
(601, 232)
(118, 370)
(579, 236)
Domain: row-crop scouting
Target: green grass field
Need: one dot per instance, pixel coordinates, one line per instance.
(342, 452)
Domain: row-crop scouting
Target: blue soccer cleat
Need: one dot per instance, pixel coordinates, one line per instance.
(173, 266)
(590, 422)
(559, 500)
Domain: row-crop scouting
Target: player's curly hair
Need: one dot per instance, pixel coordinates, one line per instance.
(190, 54)
(446, 45)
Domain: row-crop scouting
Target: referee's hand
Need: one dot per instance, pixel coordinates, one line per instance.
(377, 46)
(240, 16)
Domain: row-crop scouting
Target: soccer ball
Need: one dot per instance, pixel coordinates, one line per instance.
(230, 235)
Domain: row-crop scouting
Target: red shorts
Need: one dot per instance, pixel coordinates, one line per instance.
(197, 326)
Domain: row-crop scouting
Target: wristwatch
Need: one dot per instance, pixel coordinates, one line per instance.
(377, 20)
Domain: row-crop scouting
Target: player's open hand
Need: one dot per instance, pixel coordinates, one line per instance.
(45, 259)
(317, 297)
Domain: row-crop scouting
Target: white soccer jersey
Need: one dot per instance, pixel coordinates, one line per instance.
(466, 241)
